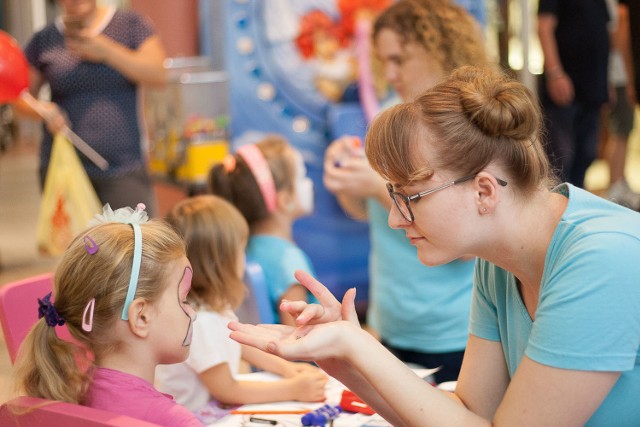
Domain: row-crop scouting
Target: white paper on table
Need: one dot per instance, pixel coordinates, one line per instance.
(334, 394)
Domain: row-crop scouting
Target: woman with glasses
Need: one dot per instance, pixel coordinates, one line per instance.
(421, 314)
(555, 324)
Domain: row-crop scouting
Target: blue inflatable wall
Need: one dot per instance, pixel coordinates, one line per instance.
(271, 90)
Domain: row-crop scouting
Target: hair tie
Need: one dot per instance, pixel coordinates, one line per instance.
(229, 163)
(124, 215)
(49, 312)
(262, 173)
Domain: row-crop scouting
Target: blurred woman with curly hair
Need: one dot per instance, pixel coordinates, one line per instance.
(420, 313)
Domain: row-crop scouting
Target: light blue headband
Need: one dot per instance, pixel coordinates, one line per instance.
(133, 217)
(135, 270)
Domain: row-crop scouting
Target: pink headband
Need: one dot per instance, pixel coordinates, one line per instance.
(261, 172)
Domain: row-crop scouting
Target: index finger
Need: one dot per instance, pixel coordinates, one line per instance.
(320, 291)
(331, 307)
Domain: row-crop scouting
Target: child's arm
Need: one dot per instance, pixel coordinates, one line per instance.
(296, 292)
(223, 387)
(272, 363)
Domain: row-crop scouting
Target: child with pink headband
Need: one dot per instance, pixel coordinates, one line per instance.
(267, 182)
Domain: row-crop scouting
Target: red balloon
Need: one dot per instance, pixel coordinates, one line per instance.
(14, 70)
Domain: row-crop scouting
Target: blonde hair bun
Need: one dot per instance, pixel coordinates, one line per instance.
(496, 105)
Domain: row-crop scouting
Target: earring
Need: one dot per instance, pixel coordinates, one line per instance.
(484, 210)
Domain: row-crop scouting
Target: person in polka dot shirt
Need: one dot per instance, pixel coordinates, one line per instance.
(95, 59)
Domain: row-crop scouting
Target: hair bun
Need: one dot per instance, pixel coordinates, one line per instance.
(497, 105)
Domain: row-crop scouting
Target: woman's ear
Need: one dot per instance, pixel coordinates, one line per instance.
(141, 313)
(486, 187)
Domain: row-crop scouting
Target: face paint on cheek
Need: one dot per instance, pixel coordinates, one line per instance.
(183, 291)
(187, 338)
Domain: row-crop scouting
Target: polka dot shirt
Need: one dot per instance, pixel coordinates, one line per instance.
(101, 104)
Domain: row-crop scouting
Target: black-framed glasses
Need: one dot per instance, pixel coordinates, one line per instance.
(403, 203)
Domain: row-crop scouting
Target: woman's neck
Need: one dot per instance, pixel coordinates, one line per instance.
(523, 236)
(97, 17)
(92, 20)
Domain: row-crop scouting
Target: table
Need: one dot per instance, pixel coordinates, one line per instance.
(334, 393)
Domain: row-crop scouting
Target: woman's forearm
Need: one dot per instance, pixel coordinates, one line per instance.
(355, 382)
(142, 66)
(394, 390)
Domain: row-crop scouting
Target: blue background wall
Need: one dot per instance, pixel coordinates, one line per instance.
(271, 90)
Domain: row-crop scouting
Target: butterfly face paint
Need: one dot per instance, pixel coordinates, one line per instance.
(183, 291)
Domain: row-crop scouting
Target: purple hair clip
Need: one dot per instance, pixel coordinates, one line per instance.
(49, 312)
(90, 245)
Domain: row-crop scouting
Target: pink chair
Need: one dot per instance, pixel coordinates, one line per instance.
(19, 309)
(34, 412)
(18, 312)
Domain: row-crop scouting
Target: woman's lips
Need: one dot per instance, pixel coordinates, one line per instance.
(414, 239)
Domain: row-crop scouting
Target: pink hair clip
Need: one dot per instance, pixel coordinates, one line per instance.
(87, 325)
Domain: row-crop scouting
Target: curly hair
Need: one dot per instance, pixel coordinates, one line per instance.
(445, 30)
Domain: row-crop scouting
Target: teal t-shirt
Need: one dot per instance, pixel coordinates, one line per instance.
(413, 306)
(588, 315)
(279, 259)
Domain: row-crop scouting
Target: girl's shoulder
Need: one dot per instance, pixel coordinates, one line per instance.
(225, 314)
(127, 394)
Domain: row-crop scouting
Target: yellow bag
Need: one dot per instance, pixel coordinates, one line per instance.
(68, 201)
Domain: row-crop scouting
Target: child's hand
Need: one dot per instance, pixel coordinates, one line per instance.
(309, 386)
(320, 333)
(329, 309)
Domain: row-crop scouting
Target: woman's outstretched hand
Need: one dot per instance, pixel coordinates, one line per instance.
(321, 328)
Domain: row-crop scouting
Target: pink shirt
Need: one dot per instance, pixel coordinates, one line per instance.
(127, 394)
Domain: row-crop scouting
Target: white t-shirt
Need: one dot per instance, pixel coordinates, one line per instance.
(210, 347)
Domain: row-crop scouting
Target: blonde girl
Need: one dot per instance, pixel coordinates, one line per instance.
(121, 290)
(216, 235)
